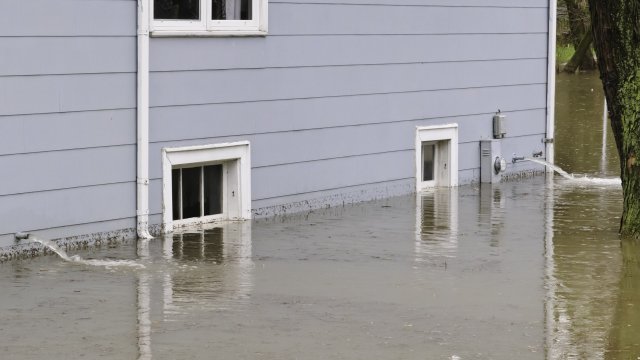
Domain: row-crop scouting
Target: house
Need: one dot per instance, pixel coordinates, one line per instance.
(117, 115)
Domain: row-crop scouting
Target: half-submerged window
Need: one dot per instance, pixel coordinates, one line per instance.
(209, 17)
(208, 183)
(436, 156)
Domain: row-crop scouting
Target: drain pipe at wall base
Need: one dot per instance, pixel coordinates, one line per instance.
(142, 123)
(551, 83)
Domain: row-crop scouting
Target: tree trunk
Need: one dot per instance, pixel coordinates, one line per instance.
(582, 55)
(616, 35)
(579, 26)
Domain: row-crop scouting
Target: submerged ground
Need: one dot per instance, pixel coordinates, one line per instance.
(531, 269)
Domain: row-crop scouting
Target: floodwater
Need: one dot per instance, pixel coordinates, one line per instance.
(532, 269)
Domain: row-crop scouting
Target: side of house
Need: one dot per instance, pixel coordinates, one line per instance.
(67, 117)
(329, 102)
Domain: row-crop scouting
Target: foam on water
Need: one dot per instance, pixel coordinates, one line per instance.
(596, 181)
(91, 262)
(575, 179)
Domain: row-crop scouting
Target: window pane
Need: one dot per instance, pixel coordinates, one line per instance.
(231, 9)
(191, 192)
(175, 193)
(176, 9)
(428, 151)
(212, 190)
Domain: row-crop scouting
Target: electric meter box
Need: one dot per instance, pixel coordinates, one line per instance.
(492, 164)
(499, 130)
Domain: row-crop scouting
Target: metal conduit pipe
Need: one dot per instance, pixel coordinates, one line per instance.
(551, 82)
(142, 122)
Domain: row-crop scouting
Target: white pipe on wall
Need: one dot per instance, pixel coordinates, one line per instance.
(551, 82)
(142, 128)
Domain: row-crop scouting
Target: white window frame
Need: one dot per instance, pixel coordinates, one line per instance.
(206, 26)
(236, 160)
(437, 133)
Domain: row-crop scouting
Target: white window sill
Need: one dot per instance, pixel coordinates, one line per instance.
(205, 33)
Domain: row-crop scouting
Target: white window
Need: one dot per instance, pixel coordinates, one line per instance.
(202, 184)
(436, 156)
(209, 17)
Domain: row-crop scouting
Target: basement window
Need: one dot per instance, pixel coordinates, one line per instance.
(197, 191)
(209, 17)
(436, 156)
(203, 184)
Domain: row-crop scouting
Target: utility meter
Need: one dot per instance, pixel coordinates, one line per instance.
(498, 125)
(499, 165)
(492, 163)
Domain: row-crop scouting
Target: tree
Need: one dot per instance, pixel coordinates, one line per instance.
(583, 57)
(580, 36)
(616, 35)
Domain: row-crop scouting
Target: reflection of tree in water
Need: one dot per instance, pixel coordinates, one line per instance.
(586, 264)
(624, 335)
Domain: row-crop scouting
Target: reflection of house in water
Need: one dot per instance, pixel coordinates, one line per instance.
(205, 245)
(206, 270)
(436, 224)
(491, 214)
(443, 215)
(226, 277)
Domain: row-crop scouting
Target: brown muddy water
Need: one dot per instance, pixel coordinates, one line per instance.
(531, 269)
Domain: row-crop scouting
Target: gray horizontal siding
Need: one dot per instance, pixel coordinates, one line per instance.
(331, 98)
(295, 51)
(522, 146)
(64, 93)
(66, 55)
(239, 119)
(67, 115)
(67, 18)
(66, 169)
(49, 209)
(59, 131)
(103, 229)
(321, 144)
(469, 176)
(331, 198)
(300, 178)
(317, 18)
(184, 88)
(308, 177)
